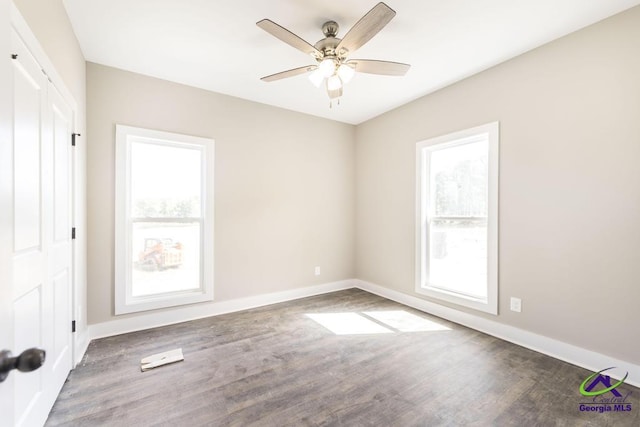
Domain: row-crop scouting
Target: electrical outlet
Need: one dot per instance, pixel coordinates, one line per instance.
(516, 304)
(317, 271)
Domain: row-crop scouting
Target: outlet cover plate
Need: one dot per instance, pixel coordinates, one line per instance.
(516, 304)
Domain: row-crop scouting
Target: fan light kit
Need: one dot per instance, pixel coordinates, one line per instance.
(333, 68)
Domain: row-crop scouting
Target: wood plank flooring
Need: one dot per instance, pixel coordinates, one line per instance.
(277, 366)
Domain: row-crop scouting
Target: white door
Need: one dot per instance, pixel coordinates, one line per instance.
(59, 273)
(37, 239)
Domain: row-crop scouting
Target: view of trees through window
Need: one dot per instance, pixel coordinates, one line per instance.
(166, 207)
(460, 180)
(458, 218)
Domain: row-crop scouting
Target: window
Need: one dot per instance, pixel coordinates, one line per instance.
(164, 219)
(457, 218)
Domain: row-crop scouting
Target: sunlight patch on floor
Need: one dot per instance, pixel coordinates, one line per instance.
(406, 322)
(375, 322)
(348, 323)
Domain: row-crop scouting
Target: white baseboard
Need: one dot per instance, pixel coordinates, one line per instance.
(557, 349)
(154, 319)
(81, 346)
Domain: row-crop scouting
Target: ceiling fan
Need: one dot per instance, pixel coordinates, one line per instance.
(333, 67)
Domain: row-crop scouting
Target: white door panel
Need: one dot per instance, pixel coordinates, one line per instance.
(60, 351)
(59, 239)
(28, 333)
(61, 167)
(28, 82)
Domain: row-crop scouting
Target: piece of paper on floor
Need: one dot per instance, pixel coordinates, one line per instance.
(160, 359)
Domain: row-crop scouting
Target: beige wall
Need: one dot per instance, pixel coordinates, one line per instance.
(569, 184)
(284, 185)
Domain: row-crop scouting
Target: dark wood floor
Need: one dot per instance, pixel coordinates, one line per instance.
(276, 366)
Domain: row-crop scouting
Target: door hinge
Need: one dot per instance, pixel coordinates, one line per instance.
(73, 233)
(73, 326)
(73, 139)
(46, 75)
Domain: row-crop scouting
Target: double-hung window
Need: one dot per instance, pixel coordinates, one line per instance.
(164, 219)
(457, 218)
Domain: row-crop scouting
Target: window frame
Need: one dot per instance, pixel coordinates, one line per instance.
(422, 242)
(125, 302)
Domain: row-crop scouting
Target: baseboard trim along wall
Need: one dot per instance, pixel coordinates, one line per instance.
(81, 345)
(154, 319)
(557, 349)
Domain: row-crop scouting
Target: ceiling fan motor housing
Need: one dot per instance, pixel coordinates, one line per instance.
(329, 44)
(330, 28)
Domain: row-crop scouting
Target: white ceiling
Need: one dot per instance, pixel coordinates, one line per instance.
(215, 45)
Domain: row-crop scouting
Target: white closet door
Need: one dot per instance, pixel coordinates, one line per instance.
(40, 245)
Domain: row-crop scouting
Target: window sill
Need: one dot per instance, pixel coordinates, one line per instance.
(486, 305)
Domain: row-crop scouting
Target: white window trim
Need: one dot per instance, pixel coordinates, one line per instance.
(490, 304)
(124, 301)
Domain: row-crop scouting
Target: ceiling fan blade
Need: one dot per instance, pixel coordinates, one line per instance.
(288, 37)
(289, 73)
(367, 27)
(386, 68)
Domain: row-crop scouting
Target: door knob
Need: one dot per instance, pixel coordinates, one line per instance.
(29, 360)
